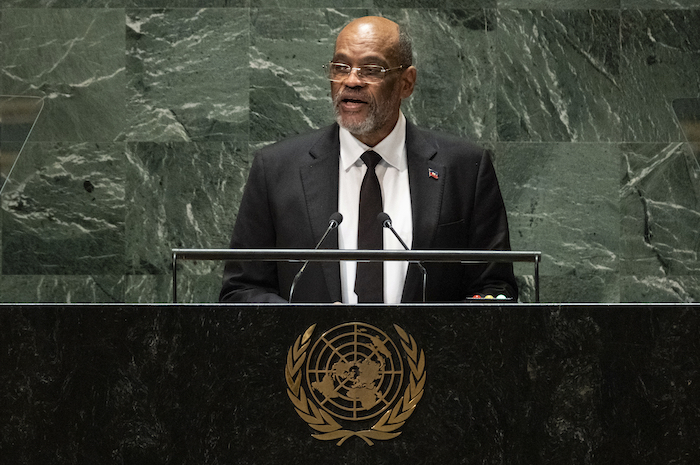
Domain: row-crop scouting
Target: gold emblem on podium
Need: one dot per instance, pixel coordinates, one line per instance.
(352, 382)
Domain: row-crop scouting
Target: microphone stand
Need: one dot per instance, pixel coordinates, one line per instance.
(386, 222)
(333, 222)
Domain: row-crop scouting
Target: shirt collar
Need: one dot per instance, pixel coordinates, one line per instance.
(391, 148)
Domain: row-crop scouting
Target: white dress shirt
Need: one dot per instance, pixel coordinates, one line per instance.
(392, 172)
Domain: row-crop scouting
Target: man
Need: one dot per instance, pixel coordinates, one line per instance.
(440, 192)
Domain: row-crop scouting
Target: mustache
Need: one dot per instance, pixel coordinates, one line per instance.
(352, 95)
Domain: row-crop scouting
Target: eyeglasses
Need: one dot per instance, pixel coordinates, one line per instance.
(370, 74)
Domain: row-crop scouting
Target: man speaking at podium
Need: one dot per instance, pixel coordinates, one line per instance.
(438, 192)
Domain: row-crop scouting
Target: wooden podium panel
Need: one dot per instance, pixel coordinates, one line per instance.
(206, 384)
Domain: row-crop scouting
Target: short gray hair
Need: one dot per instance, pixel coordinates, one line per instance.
(405, 51)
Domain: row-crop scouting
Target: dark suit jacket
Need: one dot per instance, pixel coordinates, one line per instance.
(292, 190)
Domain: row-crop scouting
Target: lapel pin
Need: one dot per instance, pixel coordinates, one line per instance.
(432, 173)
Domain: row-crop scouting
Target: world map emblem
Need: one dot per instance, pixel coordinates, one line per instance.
(352, 381)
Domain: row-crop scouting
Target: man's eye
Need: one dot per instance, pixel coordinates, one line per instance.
(372, 70)
(341, 69)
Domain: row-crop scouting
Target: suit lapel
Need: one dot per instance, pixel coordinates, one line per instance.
(426, 190)
(320, 182)
(427, 181)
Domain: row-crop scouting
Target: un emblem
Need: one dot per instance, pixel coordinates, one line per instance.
(354, 374)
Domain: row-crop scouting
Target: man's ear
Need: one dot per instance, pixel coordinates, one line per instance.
(408, 81)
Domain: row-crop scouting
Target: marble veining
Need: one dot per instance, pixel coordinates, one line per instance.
(63, 209)
(187, 74)
(661, 57)
(74, 288)
(559, 73)
(75, 60)
(176, 179)
(456, 89)
(660, 221)
(553, 208)
(154, 109)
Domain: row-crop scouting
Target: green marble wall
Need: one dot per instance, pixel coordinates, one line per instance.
(153, 109)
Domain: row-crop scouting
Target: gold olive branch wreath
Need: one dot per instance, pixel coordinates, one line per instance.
(329, 429)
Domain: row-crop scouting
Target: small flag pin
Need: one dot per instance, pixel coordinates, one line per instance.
(432, 173)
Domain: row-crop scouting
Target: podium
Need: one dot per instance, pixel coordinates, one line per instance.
(515, 383)
(328, 255)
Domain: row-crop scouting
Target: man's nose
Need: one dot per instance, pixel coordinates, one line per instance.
(353, 79)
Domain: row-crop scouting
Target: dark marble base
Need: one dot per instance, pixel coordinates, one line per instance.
(520, 384)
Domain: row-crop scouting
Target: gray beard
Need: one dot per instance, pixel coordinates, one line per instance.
(370, 124)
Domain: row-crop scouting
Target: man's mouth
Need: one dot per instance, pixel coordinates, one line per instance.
(350, 103)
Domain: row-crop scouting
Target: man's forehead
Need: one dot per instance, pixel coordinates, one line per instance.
(368, 29)
(362, 59)
(366, 43)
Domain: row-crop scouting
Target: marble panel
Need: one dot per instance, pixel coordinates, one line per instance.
(560, 4)
(297, 4)
(559, 75)
(63, 210)
(18, 116)
(443, 4)
(660, 209)
(63, 3)
(661, 62)
(687, 112)
(194, 285)
(585, 286)
(660, 4)
(659, 289)
(452, 53)
(75, 59)
(187, 74)
(562, 199)
(289, 93)
(181, 195)
(229, 77)
(186, 3)
(66, 289)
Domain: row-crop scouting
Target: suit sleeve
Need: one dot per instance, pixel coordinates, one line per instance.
(252, 281)
(489, 231)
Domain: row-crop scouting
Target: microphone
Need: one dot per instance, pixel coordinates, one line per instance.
(333, 222)
(385, 220)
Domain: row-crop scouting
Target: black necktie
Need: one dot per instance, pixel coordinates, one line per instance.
(369, 280)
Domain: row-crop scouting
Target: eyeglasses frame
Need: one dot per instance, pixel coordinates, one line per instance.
(383, 70)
